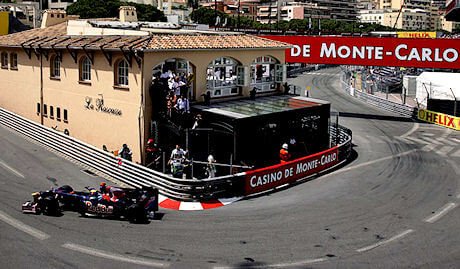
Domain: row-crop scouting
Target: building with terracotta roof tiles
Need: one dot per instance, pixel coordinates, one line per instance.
(106, 81)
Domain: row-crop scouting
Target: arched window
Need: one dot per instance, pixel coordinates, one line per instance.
(55, 66)
(14, 61)
(222, 77)
(121, 73)
(4, 59)
(85, 69)
(263, 71)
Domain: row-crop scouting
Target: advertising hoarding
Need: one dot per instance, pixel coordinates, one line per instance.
(373, 51)
(267, 178)
(441, 119)
(4, 22)
(416, 34)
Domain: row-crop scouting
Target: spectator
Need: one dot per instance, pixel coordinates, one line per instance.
(153, 153)
(170, 103)
(211, 167)
(182, 105)
(197, 122)
(177, 154)
(126, 153)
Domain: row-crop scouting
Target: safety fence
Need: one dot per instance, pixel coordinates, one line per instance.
(401, 109)
(105, 164)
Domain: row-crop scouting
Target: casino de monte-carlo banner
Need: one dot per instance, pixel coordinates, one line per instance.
(373, 51)
(267, 178)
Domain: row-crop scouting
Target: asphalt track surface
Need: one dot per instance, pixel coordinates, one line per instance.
(396, 205)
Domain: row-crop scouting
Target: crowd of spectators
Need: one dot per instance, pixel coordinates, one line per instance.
(169, 93)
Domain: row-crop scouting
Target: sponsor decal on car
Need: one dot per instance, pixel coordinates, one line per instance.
(98, 208)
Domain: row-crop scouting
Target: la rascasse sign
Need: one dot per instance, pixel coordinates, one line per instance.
(98, 105)
(273, 176)
(386, 51)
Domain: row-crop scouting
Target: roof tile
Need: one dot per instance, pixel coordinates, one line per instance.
(56, 36)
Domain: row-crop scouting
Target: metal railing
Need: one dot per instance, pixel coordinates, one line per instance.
(105, 164)
(401, 109)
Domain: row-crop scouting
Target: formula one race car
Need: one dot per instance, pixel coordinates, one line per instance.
(135, 205)
(45, 202)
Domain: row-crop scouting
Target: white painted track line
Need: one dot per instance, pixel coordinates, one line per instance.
(112, 256)
(299, 264)
(384, 242)
(414, 128)
(441, 212)
(12, 170)
(374, 161)
(443, 151)
(456, 154)
(23, 227)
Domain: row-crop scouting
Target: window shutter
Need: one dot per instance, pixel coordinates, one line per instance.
(280, 73)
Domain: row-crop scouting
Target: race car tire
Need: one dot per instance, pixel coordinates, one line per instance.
(136, 214)
(51, 208)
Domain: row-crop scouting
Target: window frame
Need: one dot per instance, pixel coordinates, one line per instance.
(66, 116)
(55, 67)
(85, 67)
(224, 86)
(13, 61)
(121, 76)
(265, 83)
(4, 60)
(51, 112)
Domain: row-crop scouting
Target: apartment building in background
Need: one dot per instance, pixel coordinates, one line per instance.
(408, 19)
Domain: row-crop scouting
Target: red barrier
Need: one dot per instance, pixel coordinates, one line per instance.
(267, 178)
(373, 51)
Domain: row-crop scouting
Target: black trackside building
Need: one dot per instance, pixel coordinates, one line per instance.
(251, 132)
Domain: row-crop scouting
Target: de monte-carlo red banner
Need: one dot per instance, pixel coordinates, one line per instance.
(373, 51)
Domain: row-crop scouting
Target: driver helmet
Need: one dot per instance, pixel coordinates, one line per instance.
(285, 146)
(35, 194)
(93, 192)
(150, 141)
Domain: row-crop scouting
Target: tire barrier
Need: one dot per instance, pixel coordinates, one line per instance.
(107, 165)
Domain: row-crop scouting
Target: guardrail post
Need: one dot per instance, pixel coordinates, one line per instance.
(164, 162)
(231, 164)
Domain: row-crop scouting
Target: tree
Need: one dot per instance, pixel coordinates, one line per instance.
(206, 16)
(94, 8)
(110, 8)
(146, 12)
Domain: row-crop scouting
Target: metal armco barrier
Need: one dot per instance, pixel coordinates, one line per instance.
(407, 111)
(135, 175)
(401, 109)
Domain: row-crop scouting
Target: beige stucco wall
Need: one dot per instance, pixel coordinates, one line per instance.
(20, 93)
(96, 127)
(20, 89)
